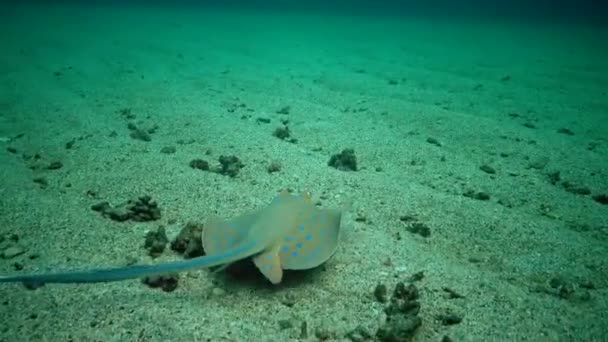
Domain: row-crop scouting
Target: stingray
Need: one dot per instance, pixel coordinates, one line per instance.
(290, 233)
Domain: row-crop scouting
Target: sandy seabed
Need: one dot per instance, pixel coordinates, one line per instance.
(481, 150)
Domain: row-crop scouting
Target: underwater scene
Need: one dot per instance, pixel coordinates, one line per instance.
(303, 170)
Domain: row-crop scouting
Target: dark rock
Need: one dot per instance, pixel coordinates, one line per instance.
(557, 282)
(413, 226)
(230, 165)
(554, 177)
(284, 110)
(273, 167)
(601, 198)
(152, 129)
(452, 294)
(380, 293)
(289, 300)
(156, 241)
(101, 206)
(529, 125)
(561, 288)
(285, 324)
(449, 318)
(168, 150)
(41, 181)
(324, 334)
(304, 330)
(12, 251)
(420, 229)
(117, 214)
(127, 113)
(480, 195)
(186, 142)
(199, 164)
(138, 133)
(344, 161)
(576, 189)
(433, 141)
(402, 315)
(407, 218)
(565, 131)
(189, 241)
(55, 165)
(399, 328)
(487, 169)
(167, 283)
(143, 209)
(361, 218)
(404, 300)
(587, 284)
(282, 133)
(418, 276)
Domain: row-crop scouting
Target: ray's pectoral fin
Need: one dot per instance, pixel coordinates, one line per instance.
(220, 235)
(269, 263)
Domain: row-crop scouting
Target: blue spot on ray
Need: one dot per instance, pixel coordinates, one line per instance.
(301, 228)
(290, 238)
(285, 248)
(299, 245)
(295, 254)
(309, 237)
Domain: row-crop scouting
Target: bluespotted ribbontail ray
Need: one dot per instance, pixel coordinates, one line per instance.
(291, 233)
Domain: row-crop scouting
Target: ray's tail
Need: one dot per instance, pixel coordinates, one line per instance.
(135, 271)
